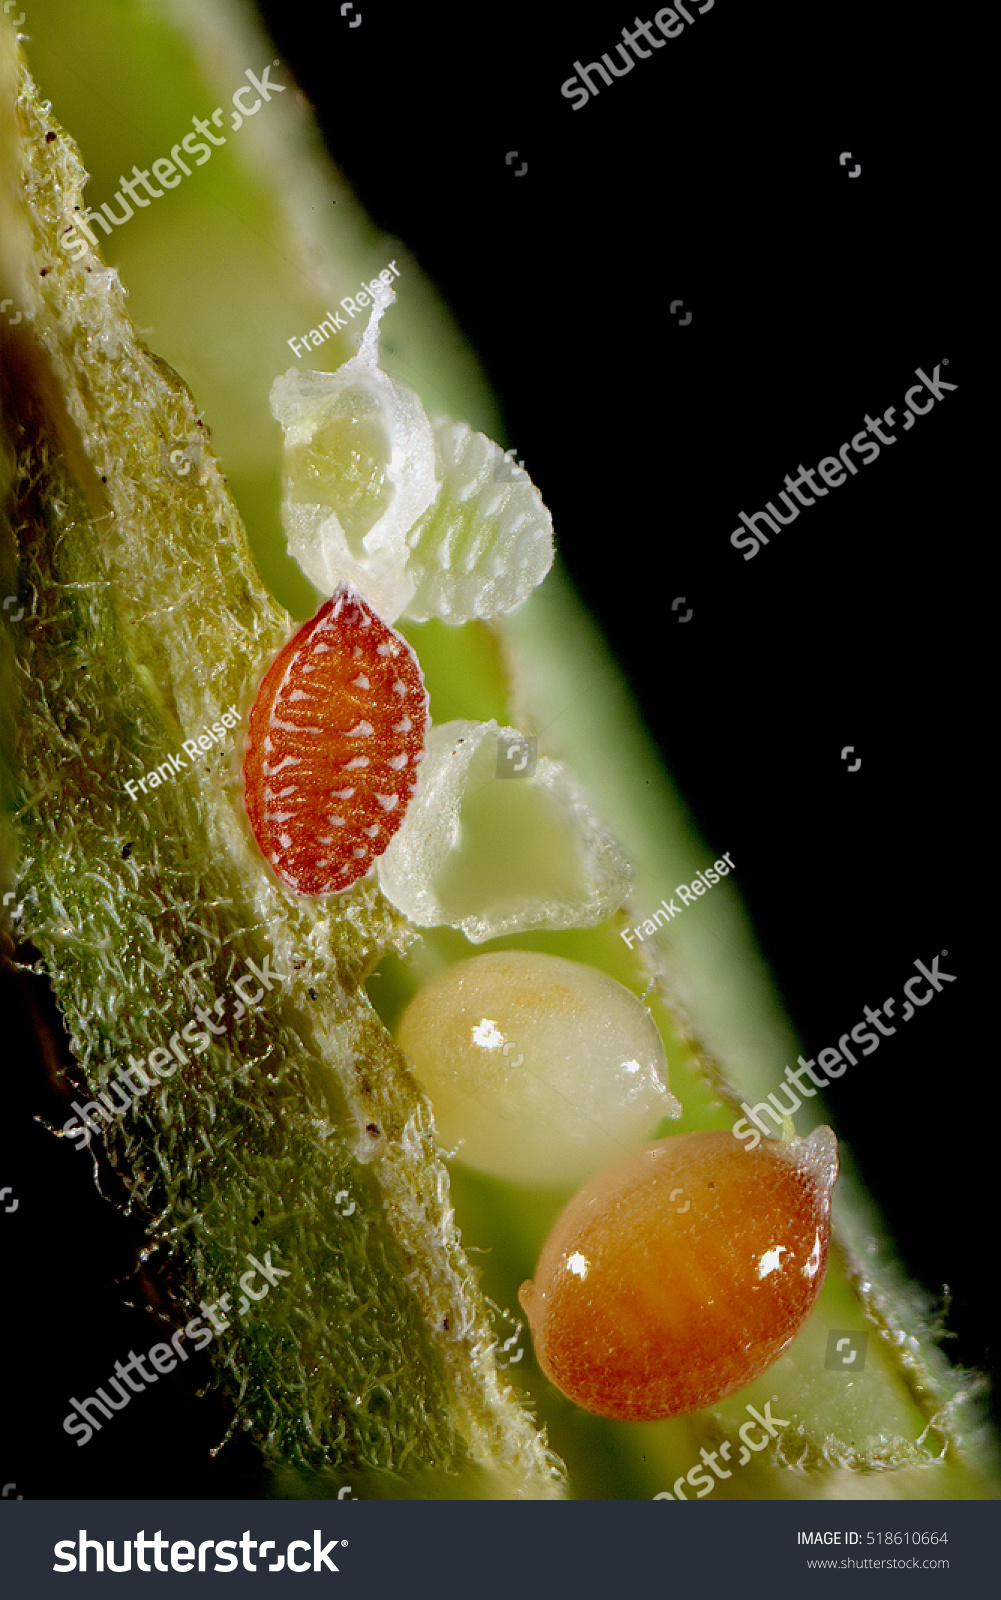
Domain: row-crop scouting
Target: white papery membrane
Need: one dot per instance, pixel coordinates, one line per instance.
(497, 855)
(359, 472)
(488, 538)
(427, 520)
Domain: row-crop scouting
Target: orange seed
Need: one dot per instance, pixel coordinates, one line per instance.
(335, 738)
(678, 1275)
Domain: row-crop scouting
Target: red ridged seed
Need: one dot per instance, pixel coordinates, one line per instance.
(336, 735)
(678, 1275)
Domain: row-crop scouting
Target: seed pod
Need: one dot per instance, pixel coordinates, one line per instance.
(677, 1276)
(541, 1069)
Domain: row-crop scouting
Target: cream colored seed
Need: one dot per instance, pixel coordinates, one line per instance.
(541, 1070)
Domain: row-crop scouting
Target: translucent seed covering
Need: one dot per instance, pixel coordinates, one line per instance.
(496, 855)
(488, 538)
(427, 520)
(677, 1276)
(359, 471)
(539, 1069)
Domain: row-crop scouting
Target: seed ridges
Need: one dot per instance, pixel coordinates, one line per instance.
(335, 737)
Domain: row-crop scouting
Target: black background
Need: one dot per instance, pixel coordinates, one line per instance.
(710, 175)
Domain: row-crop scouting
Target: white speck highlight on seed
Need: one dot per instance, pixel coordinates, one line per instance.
(486, 1034)
(770, 1260)
(812, 1265)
